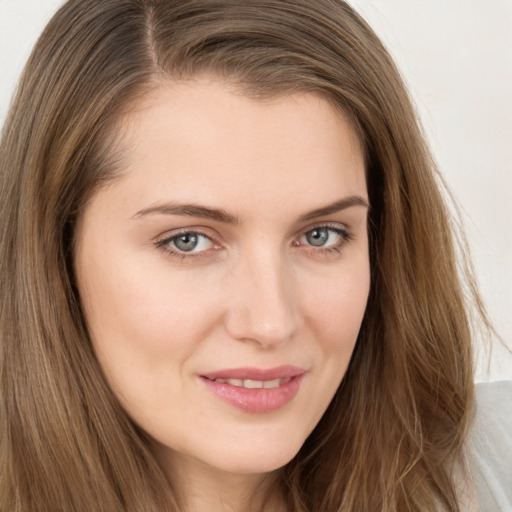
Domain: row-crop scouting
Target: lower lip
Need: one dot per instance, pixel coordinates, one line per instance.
(258, 400)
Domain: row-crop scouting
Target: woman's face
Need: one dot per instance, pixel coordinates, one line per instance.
(224, 275)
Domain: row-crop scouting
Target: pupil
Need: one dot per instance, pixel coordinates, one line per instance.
(317, 237)
(186, 242)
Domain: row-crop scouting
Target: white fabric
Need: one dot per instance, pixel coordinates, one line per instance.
(491, 446)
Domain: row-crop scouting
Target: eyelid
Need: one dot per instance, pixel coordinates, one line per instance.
(205, 231)
(162, 241)
(334, 226)
(170, 233)
(342, 230)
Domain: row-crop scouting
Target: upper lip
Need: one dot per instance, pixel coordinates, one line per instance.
(250, 373)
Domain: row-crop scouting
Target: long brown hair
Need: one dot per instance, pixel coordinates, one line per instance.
(394, 433)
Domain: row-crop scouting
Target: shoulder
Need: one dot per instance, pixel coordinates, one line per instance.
(491, 446)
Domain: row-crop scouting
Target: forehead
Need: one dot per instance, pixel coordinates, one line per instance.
(203, 140)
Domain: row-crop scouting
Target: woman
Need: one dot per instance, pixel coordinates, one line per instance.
(227, 273)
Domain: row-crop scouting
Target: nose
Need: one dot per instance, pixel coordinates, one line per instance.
(262, 300)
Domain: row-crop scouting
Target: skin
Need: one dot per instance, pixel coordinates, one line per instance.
(253, 293)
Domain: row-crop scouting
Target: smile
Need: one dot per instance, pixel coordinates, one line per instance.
(254, 384)
(256, 391)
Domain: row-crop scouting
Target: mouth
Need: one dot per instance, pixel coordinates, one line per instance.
(255, 390)
(254, 384)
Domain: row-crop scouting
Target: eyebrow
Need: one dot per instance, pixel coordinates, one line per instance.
(220, 215)
(191, 210)
(338, 206)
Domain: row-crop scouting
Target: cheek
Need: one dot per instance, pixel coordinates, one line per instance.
(336, 305)
(333, 310)
(146, 327)
(133, 306)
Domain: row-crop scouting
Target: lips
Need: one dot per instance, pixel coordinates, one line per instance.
(255, 390)
(254, 384)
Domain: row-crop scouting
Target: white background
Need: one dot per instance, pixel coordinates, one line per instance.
(456, 57)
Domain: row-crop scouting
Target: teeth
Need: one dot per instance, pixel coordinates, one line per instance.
(272, 383)
(254, 384)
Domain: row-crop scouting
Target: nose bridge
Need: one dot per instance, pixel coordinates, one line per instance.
(263, 302)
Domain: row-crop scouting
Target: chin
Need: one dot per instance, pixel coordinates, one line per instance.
(257, 461)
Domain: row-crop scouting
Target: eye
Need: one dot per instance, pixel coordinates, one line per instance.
(185, 243)
(325, 237)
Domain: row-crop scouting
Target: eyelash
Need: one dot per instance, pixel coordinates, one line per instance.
(345, 237)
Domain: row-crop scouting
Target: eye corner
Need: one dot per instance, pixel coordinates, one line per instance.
(201, 244)
(335, 237)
